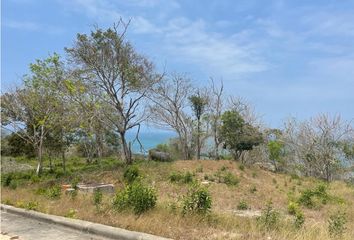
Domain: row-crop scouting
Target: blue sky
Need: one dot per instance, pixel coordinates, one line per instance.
(288, 58)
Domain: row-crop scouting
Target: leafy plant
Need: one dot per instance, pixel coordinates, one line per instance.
(242, 205)
(293, 208)
(269, 218)
(336, 224)
(198, 200)
(137, 197)
(178, 177)
(131, 173)
(71, 213)
(97, 198)
(53, 192)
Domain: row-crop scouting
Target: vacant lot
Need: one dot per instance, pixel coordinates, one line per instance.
(237, 193)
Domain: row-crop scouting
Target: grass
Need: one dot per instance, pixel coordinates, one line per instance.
(221, 223)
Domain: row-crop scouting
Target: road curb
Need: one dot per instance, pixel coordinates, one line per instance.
(83, 226)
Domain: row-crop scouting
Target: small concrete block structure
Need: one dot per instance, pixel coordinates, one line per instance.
(91, 187)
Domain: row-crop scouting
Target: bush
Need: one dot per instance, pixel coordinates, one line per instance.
(242, 205)
(253, 189)
(336, 224)
(269, 218)
(136, 196)
(242, 167)
(6, 179)
(309, 196)
(53, 192)
(131, 173)
(97, 198)
(197, 200)
(13, 184)
(293, 208)
(230, 179)
(299, 219)
(178, 177)
(31, 205)
(71, 213)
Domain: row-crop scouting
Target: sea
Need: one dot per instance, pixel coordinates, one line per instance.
(149, 139)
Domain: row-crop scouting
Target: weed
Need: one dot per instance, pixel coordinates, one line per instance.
(136, 196)
(131, 173)
(198, 200)
(269, 218)
(178, 177)
(53, 192)
(199, 169)
(230, 179)
(336, 224)
(31, 205)
(241, 167)
(242, 205)
(299, 219)
(97, 198)
(293, 208)
(253, 189)
(71, 213)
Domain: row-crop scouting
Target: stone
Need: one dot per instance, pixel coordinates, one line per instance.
(91, 187)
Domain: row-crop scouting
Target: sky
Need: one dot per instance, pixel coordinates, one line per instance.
(287, 58)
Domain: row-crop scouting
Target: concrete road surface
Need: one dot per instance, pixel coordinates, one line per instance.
(30, 229)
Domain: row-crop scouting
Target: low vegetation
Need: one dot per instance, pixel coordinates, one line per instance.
(151, 202)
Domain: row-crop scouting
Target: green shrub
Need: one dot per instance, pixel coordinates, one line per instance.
(242, 167)
(223, 168)
(71, 213)
(53, 192)
(253, 189)
(97, 198)
(198, 200)
(293, 208)
(131, 173)
(199, 169)
(336, 224)
(178, 177)
(136, 196)
(269, 218)
(6, 179)
(299, 219)
(230, 179)
(242, 205)
(309, 196)
(13, 184)
(31, 205)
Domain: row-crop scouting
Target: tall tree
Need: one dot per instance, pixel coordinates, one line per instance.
(198, 103)
(215, 110)
(237, 135)
(124, 77)
(170, 109)
(31, 110)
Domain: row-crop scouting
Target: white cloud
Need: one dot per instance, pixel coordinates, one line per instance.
(22, 25)
(214, 52)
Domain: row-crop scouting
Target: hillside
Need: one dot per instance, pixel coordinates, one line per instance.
(235, 191)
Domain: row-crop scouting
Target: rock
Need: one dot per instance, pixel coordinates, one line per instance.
(205, 182)
(266, 166)
(248, 213)
(109, 188)
(159, 156)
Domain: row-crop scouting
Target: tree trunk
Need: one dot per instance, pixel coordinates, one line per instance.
(64, 160)
(198, 139)
(40, 160)
(126, 151)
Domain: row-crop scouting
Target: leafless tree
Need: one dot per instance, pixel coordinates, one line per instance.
(245, 109)
(169, 110)
(216, 105)
(316, 145)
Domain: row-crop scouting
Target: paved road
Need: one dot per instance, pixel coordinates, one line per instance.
(30, 229)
